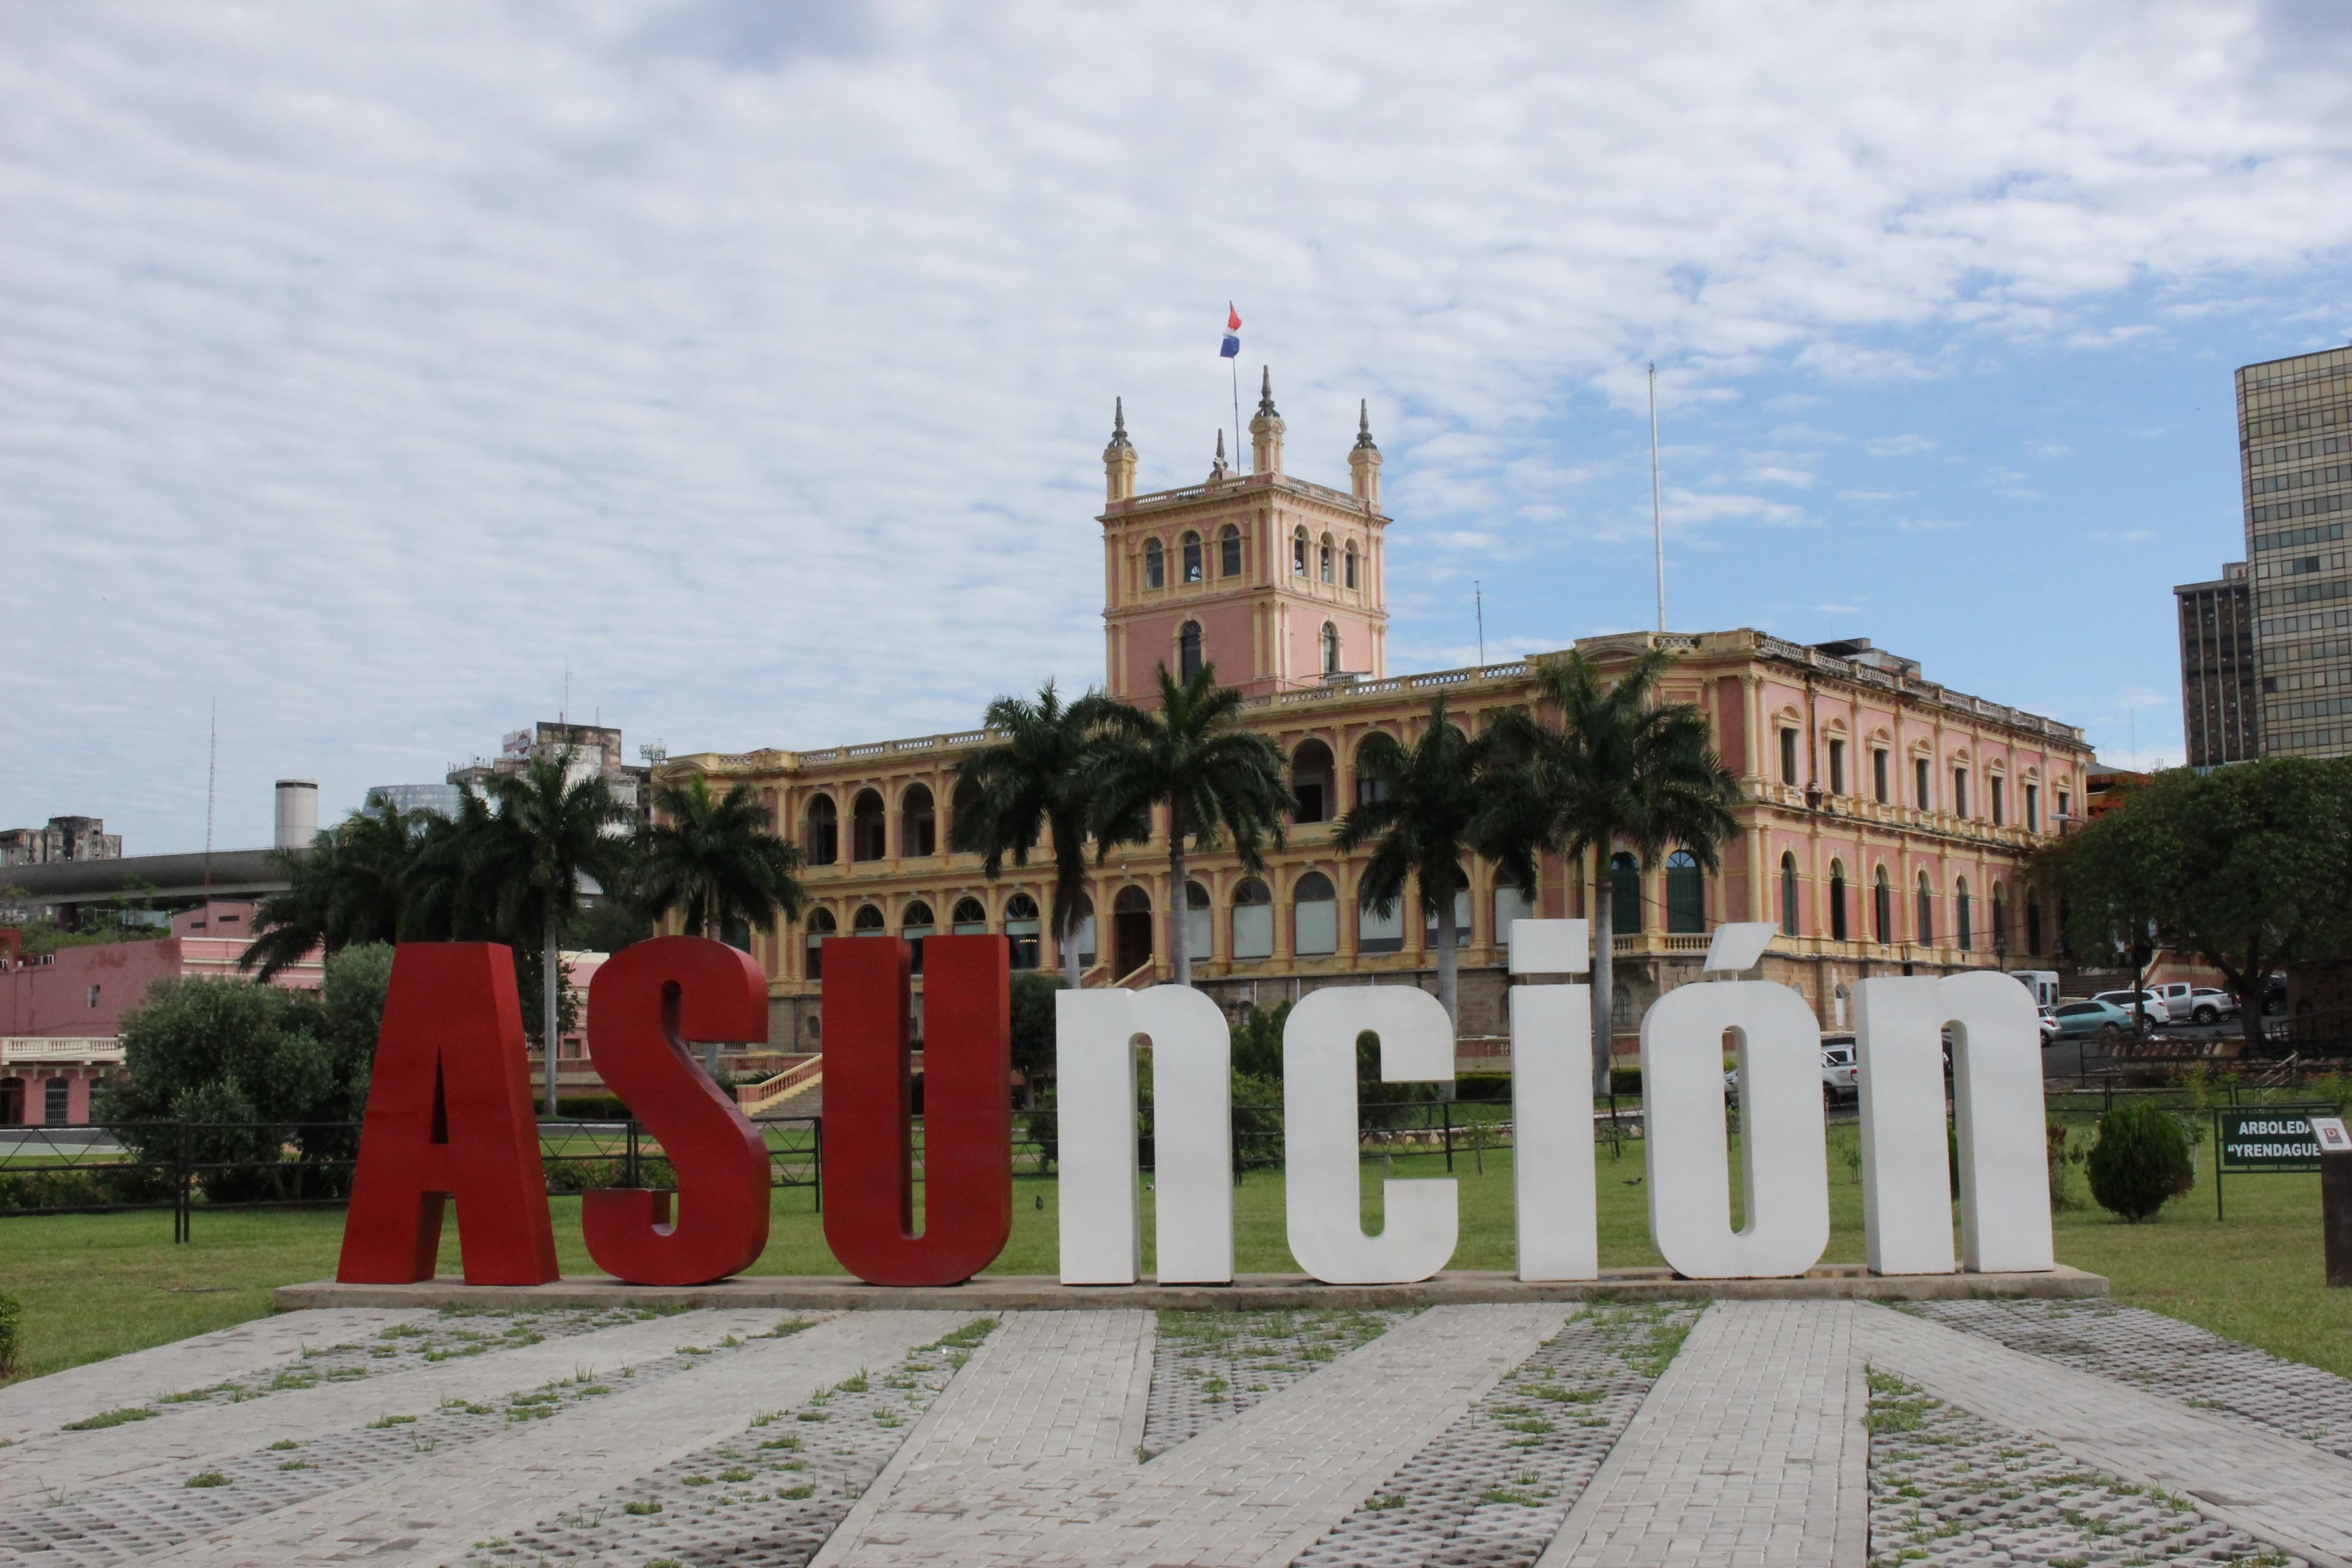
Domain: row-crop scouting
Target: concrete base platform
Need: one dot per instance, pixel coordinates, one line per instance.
(1249, 1292)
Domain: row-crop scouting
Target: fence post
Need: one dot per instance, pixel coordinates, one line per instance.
(632, 1156)
(1445, 1112)
(184, 1218)
(816, 1159)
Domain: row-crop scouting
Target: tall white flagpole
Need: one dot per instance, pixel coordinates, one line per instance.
(1235, 364)
(1657, 512)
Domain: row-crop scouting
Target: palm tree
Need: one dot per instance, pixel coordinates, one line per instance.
(1214, 776)
(718, 861)
(1030, 786)
(350, 886)
(548, 830)
(1429, 800)
(1621, 768)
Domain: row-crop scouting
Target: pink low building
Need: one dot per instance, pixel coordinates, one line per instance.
(61, 1014)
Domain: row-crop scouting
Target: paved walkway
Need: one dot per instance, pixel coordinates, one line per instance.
(982, 1483)
(2295, 1494)
(1750, 1450)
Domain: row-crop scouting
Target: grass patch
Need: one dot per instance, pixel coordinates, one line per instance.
(105, 1418)
(206, 1478)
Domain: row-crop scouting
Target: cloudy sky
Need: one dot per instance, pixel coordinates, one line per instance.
(367, 368)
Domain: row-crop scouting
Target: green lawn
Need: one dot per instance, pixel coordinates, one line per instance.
(99, 1285)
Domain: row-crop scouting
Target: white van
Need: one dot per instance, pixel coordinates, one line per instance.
(2043, 982)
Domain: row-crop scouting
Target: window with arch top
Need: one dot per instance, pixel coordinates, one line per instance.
(919, 827)
(1192, 558)
(1155, 565)
(1837, 899)
(1188, 651)
(1963, 931)
(820, 926)
(1316, 909)
(1787, 894)
(1881, 898)
(1927, 913)
(1252, 919)
(1020, 927)
(1331, 649)
(1351, 581)
(915, 925)
(869, 840)
(969, 918)
(1229, 552)
(868, 921)
(1686, 894)
(1324, 559)
(820, 841)
(1624, 893)
(1298, 553)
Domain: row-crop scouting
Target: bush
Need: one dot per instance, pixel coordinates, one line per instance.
(86, 1187)
(1625, 1081)
(1485, 1087)
(592, 1108)
(595, 1175)
(12, 1315)
(2140, 1161)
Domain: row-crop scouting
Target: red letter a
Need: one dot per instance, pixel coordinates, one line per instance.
(449, 1115)
(869, 1216)
(644, 1004)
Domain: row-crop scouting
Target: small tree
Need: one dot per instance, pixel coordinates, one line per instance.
(2140, 1162)
(1032, 1028)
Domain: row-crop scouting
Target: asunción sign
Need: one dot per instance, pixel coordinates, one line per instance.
(449, 1116)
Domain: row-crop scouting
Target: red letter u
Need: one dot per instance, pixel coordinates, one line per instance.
(869, 1214)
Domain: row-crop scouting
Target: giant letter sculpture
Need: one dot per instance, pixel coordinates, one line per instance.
(967, 1103)
(1997, 1104)
(1318, 1109)
(1191, 1063)
(449, 1115)
(1551, 1100)
(1784, 1152)
(645, 1004)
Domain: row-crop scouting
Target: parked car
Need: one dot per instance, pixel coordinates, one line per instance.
(2049, 1026)
(1839, 1072)
(2150, 1003)
(2208, 1004)
(2077, 1020)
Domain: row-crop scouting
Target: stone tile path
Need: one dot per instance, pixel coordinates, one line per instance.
(1750, 1451)
(2276, 1488)
(869, 1438)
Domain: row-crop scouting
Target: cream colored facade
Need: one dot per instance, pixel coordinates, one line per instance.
(1884, 822)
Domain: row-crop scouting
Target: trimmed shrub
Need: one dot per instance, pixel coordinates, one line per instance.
(1483, 1086)
(12, 1316)
(1625, 1081)
(2140, 1161)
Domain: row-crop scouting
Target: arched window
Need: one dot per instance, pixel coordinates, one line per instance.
(2033, 923)
(868, 841)
(1837, 899)
(1200, 923)
(820, 840)
(1188, 651)
(918, 828)
(1351, 564)
(966, 796)
(1789, 894)
(1155, 565)
(915, 925)
(820, 926)
(1313, 783)
(1686, 894)
(1377, 933)
(969, 918)
(1082, 931)
(1252, 919)
(1130, 931)
(1369, 790)
(1460, 915)
(1511, 904)
(1229, 552)
(1192, 558)
(1323, 558)
(1999, 921)
(1882, 907)
(1960, 930)
(1298, 553)
(1624, 893)
(1316, 909)
(1331, 649)
(1924, 932)
(868, 921)
(1021, 930)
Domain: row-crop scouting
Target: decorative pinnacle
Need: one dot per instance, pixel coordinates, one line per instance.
(1118, 423)
(1364, 425)
(1219, 466)
(1266, 394)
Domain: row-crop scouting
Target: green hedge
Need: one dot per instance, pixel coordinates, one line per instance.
(88, 1187)
(593, 1175)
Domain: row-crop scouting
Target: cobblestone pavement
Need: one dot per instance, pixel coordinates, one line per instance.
(257, 1350)
(1750, 1450)
(984, 1483)
(1492, 1491)
(1947, 1488)
(2167, 1356)
(1209, 1367)
(70, 1463)
(2278, 1489)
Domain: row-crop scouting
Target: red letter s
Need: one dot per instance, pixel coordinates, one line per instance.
(644, 1004)
(449, 1114)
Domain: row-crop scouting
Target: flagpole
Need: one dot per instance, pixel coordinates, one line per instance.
(1235, 364)
(1657, 513)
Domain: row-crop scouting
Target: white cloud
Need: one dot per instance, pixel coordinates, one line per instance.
(1905, 446)
(1926, 525)
(1838, 609)
(1871, 495)
(364, 365)
(2127, 536)
(1767, 474)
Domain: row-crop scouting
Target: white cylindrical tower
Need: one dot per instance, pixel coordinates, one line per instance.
(298, 813)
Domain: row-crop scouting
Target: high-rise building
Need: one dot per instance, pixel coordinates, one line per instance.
(2294, 430)
(2220, 705)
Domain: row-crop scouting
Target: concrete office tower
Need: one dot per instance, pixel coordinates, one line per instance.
(2220, 705)
(2294, 440)
(298, 813)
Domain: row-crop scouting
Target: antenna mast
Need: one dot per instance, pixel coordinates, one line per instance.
(1657, 512)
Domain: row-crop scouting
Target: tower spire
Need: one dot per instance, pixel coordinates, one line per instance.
(1119, 458)
(1217, 470)
(1266, 393)
(1265, 429)
(1118, 422)
(1364, 462)
(1364, 425)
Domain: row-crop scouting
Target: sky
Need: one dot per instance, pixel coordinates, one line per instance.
(386, 377)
